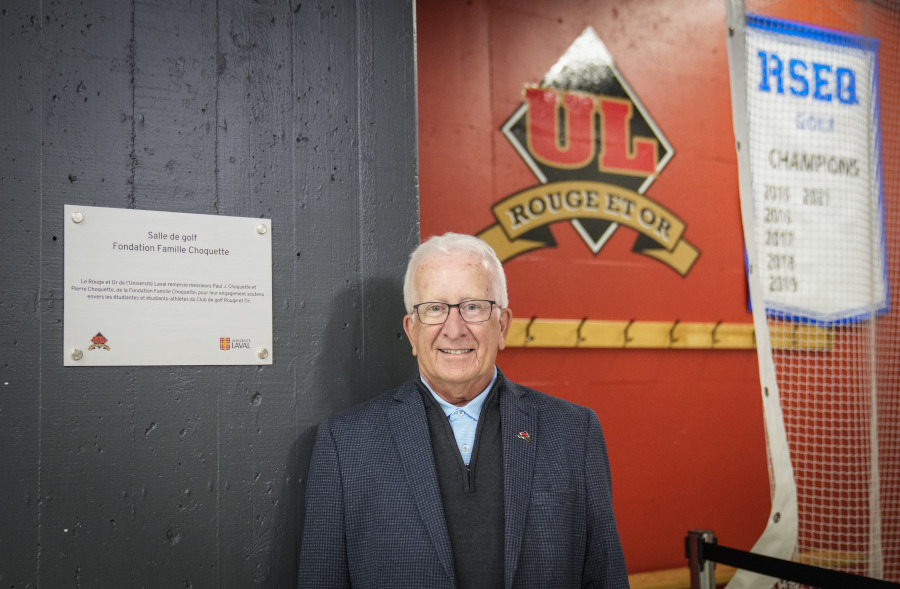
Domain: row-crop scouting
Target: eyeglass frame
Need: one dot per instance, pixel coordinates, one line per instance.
(458, 308)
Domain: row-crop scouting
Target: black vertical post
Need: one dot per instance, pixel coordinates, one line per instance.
(703, 572)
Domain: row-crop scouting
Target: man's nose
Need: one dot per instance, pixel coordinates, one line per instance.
(455, 322)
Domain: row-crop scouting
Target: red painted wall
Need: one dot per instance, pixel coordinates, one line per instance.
(684, 427)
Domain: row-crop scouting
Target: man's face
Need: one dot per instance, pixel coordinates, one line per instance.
(455, 357)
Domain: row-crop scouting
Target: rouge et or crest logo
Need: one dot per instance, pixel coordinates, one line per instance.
(224, 343)
(595, 151)
(98, 342)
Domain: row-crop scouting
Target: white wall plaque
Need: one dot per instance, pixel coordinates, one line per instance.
(159, 288)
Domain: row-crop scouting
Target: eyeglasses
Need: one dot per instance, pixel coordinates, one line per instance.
(434, 313)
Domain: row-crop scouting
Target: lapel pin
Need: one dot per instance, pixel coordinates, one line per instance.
(524, 435)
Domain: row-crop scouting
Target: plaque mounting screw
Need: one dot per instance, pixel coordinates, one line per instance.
(77, 217)
(262, 354)
(261, 229)
(76, 353)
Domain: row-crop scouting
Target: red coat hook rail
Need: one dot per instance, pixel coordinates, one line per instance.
(586, 333)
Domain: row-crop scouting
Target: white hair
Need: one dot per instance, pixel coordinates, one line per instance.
(450, 243)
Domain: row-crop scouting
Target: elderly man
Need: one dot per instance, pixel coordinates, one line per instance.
(460, 477)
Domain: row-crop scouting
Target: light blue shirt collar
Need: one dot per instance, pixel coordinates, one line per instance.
(472, 408)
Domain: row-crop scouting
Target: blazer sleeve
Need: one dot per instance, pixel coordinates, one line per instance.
(604, 565)
(323, 553)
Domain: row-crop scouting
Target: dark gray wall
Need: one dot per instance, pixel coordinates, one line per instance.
(302, 112)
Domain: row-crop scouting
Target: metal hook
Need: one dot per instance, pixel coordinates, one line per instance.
(528, 336)
(628, 338)
(578, 336)
(672, 338)
(715, 328)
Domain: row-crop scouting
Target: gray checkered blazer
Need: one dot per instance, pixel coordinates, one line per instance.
(373, 507)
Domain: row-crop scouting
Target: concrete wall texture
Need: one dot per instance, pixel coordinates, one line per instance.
(299, 112)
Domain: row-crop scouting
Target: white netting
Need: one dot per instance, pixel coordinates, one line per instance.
(828, 256)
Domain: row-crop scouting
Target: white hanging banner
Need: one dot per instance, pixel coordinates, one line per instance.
(161, 288)
(812, 105)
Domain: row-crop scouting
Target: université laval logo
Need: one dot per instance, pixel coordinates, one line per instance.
(595, 151)
(234, 343)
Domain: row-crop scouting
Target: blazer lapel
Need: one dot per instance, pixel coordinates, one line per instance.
(410, 429)
(520, 437)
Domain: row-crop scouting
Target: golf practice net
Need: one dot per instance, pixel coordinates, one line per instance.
(816, 96)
